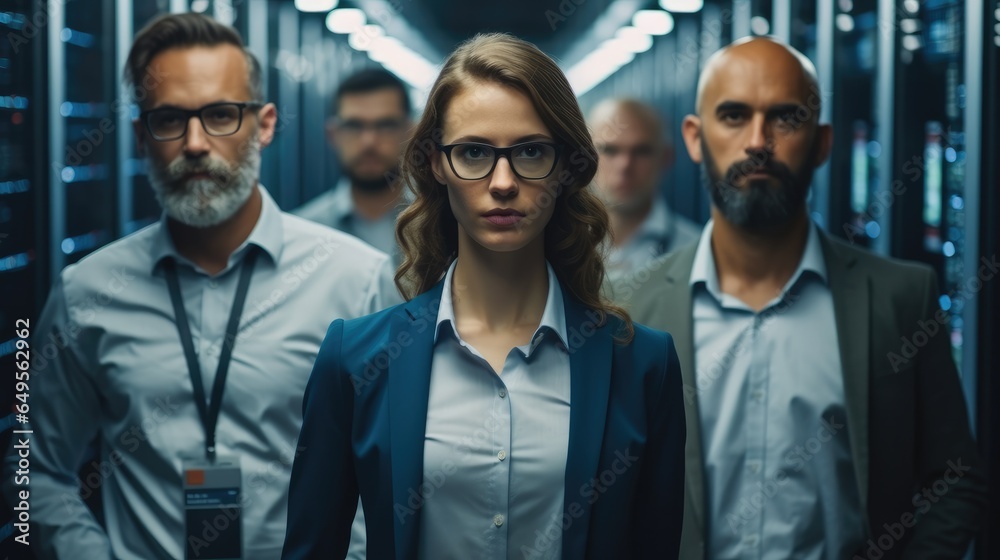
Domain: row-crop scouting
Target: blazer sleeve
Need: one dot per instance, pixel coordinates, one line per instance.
(660, 503)
(323, 493)
(945, 449)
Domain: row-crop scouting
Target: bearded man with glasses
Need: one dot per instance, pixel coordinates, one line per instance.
(370, 118)
(184, 349)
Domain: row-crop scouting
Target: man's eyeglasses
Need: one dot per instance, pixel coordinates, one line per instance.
(381, 127)
(612, 150)
(217, 119)
(529, 160)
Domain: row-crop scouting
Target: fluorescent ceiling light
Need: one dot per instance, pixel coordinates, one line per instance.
(682, 6)
(634, 40)
(653, 22)
(345, 20)
(364, 38)
(909, 25)
(402, 61)
(384, 47)
(845, 22)
(759, 25)
(315, 5)
(598, 65)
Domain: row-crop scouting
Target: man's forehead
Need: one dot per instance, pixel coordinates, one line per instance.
(217, 72)
(754, 69)
(202, 59)
(755, 81)
(622, 123)
(382, 100)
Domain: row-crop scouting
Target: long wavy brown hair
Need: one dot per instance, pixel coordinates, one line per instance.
(427, 230)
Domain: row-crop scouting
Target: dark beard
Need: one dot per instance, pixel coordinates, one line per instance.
(373, 185)
(758, 206)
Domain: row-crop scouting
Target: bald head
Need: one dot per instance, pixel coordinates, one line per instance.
(609, 117)
(762, 60)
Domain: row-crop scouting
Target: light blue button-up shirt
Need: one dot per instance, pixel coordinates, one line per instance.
(661, 232)
(335, 208)
(779, 477)
(108, 364)
(495, 446)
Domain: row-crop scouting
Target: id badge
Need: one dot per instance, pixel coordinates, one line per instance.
(212, 516)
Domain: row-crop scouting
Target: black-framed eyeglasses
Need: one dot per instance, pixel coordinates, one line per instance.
(381, 127)
(217, 119)
(529, 160)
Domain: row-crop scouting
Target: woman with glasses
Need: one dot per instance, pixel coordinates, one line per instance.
(507, 409)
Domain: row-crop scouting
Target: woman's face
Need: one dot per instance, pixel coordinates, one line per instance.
(502, 211)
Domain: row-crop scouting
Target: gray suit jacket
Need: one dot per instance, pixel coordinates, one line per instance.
(907, 419)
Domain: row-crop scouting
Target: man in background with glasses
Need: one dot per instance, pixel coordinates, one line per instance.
(184, 349)
(371, 117)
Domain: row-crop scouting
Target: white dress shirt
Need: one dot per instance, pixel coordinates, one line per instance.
(496, 442)
(109, 365)
(779, 478)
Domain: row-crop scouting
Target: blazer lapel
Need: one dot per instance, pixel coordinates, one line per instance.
(852, 308)
(590, 350)
(409, 389)
(678, 312)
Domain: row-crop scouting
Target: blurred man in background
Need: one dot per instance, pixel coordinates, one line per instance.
(189, 342)
(371, 117)
(634, 154)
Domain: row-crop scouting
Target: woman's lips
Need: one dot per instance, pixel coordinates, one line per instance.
(504, 219)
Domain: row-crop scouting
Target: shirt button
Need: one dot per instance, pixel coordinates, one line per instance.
(502, 455)
(757, 395)
(213, 284)
(498, 520)
(753, 466)
(750, 541)
(503, 393)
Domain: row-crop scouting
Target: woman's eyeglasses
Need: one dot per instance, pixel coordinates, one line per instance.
(529, 160)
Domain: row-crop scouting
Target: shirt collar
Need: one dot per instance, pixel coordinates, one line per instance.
(342, 205)
(657, 223)
(553, 316)
(267, 233)
(703, 269)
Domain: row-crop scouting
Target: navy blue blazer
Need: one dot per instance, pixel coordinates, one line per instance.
(364, 419)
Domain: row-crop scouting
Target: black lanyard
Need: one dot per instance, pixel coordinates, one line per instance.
(209, 412)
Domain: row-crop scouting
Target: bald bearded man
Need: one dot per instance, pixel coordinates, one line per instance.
(813, 433)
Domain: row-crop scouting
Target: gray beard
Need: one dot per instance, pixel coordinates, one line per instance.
(207, 202)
